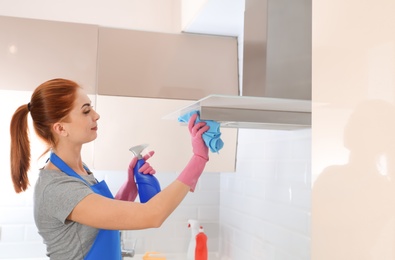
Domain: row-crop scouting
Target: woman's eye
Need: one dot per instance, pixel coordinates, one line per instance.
(88, 109)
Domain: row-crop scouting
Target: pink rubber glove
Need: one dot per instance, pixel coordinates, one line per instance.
(128, 190)
(191, 173)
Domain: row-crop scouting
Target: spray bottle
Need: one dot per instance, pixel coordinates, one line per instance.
(193, 225)
(147, 184)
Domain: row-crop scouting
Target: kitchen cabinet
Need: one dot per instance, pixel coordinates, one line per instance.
(130, 121)
(164, 65)
(34, 51)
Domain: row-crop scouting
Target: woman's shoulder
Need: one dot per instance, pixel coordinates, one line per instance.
(56, 179)
(55, 185)
(49, 174)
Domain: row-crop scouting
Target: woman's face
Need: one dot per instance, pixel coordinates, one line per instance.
(81, 124)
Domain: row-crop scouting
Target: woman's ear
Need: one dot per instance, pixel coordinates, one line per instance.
(59, 129)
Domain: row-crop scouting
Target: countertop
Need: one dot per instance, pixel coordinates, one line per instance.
(212, 256)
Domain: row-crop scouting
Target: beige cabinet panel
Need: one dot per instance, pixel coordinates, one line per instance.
(160, 65)
(126, 122)
(33, 51)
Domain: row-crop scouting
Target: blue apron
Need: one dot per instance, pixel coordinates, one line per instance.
(107, 244)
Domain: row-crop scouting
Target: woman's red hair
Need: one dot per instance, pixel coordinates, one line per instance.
(50, 102)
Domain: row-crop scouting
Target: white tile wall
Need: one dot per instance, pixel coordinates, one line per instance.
(173, 236)
(265, 205)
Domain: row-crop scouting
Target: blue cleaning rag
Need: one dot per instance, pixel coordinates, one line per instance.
(212, 137)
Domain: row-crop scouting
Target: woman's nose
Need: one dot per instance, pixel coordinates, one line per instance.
(97, 116)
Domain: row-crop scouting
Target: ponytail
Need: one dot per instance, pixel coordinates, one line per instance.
(20, 149)
(50, 102)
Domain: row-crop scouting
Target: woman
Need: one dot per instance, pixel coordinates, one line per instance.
(78, 217)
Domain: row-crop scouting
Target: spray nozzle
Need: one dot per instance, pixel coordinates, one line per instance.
(136, 150)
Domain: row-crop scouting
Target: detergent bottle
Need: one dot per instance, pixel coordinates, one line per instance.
(147, 184)
(201, 252)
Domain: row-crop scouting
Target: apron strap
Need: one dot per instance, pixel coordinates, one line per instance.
(65, 168)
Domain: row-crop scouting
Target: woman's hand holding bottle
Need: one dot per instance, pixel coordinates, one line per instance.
(128, 190)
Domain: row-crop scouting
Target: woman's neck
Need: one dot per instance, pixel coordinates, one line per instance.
(72, 157)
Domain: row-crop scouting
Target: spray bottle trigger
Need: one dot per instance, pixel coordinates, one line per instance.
(136, 150)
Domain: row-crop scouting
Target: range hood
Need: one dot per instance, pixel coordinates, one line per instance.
(251, 112)
(276, 59)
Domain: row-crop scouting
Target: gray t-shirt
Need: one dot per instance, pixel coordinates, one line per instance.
(55, 196)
